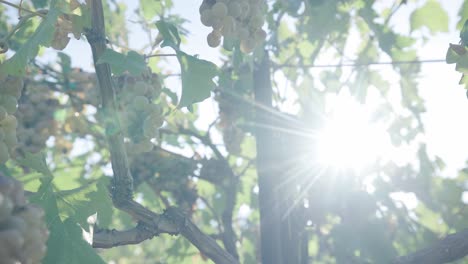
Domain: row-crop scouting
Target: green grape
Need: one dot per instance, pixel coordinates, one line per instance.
(9, 102)
(206, 17)
(155, 120)
(245, 9)
(219, 9)
(6, 207)
(150, 131)
(15, 222)
(140, 88)
(12, 86)
(260, 36)
(214, 39)
(9, 123)
(23, 234)
(229, 26)
(155, 109)
(33, 251)
(30, 214)
(247, 45)
(156, 82)
(204, 6)
(3, 113)
(234, 9)
(243, 33)
(13, 238)
(140, 102)
(217, 24)
(10, 139)
(256, 20)
(151, 125)
(4, 153)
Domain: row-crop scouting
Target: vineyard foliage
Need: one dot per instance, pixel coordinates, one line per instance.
(72, 143)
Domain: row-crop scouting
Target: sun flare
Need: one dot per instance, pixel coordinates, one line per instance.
(348, 139)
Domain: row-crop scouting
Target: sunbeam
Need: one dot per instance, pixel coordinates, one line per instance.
(348, 139)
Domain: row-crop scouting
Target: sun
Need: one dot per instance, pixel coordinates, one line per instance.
(349, 139)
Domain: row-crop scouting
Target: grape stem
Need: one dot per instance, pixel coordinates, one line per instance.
(20, 8)
(160, 55)
(21, 22)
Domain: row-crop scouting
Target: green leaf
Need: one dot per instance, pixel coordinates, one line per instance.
(432, 16)
(39, 3)
(197, 79)
(464, 80)
(462, 14)
(464, 33)
(451, 56)
(80, 23)
(151, 8)
(171, 95)
(462, 65)
(16, 65)
(170, 34)
(84, 201)
(133, 62)
(35, 161)
(65, 243)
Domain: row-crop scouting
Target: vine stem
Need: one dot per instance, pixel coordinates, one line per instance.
(160, 55)
(357, 64)
(17, 26)
(22, 8)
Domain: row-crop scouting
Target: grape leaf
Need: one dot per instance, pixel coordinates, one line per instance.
(16, 65)
(464, 33)
(133, 62)
(80, 23)
(462, 65)
(197, 79)
(65, 243)
(151, 8)
(432, 16)
(35, 161)
(170, 34)
(84, 201)
(451, 56)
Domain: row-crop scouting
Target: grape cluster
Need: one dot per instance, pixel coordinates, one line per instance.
(35, 116)
(10, 92)
(229, 115)
(235, 20)
(168, 173)
(23, 234)
(140, 116)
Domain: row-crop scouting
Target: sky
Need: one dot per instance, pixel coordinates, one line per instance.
(447, 105)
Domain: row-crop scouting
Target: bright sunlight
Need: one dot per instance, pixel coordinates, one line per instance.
(349, 139)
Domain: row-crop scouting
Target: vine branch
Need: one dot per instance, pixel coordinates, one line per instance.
(448, 249)
(173, 220)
